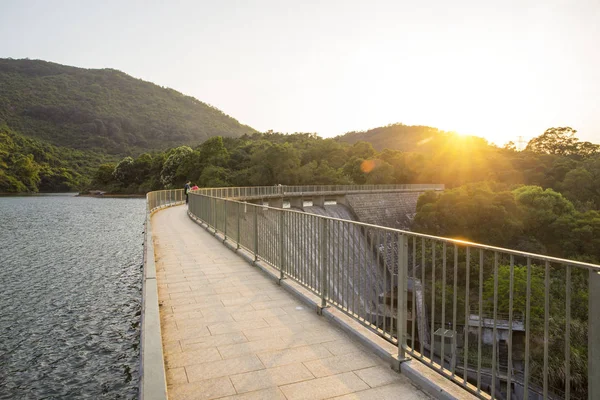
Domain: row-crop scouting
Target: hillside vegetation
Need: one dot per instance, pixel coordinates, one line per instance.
(104, 110)
(30, 165)
(402, 137)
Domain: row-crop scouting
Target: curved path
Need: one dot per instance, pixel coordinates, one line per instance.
(230, 332)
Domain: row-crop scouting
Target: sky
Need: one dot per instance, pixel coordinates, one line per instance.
(497, 69)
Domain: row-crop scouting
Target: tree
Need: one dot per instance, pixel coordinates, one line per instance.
(555, 141)
(104, 174)
(578, 185)
(168, 175)
(214, 176)
(123, 172)
(353, 170)
(25, 169)
(274, 164)
(471, 212)
(380, 173)
(213, 152)
(361, 150)
(547, 216)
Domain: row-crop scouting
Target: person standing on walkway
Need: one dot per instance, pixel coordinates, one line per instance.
(187, 188)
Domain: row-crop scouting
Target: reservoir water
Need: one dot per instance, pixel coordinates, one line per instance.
(70, 293)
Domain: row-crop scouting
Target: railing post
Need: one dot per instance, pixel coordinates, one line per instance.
(238, 226)
(401, 290)
(281, 245)
(225, 218)
(255, 233)
(594, 335)
(215, 215)
(323, 258)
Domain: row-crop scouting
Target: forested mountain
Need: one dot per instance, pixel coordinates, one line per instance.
(104, 110)
(402, 137)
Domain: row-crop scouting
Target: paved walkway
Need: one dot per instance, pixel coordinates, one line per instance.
(230, 332)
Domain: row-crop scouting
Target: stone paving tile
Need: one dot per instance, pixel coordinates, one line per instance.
(265, 378)
(203, 390)
(254, 315)
(172, 347)
(176, 334)
(176, 376)
(265, 394)
(339, 364)
(203, 342)
(379, 376)
(229, 332)
(290, 356)
(341, 347)
(390, 392)
(174, 360)
(324, 388)
(226, 327)
(251, 347)
(217, 369)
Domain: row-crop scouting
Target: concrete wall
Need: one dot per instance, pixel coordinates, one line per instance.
(394, 210)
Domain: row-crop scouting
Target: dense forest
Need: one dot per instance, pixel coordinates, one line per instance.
(30, 165)
(544, 199)
(103, 110)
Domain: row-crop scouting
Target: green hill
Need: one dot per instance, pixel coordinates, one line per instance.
(104, 110)
(406, 138)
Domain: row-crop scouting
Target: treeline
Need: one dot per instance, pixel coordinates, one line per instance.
(554, 160)
(555, 213)
(29, 165)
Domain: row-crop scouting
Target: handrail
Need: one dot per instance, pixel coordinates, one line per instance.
(379, 276)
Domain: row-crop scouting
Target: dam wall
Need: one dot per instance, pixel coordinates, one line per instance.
(394, 210)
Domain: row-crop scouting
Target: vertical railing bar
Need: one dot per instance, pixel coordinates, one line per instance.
(414, 289)
(422, 324)
(323, 254)
(225, 217)
(432, 333)
(354, 256)
(480, 327)
(282, 245)
(568, 335)
(364, 280)
(376, 233)
(454, 311)
(401, 306)
(297, 246)
(238, 239)
(369, 277)
(510, 327)
(340, 253)
(443, 354)
(317, 223)
(347, 230)
(385, 263)
(255, 207)
(466, 327)
(546, 324)
(527, 331)
(494, 333)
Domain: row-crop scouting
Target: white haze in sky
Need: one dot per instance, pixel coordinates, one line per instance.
(497, 69)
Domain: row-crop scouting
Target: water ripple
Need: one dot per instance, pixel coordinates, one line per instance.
(70, 290)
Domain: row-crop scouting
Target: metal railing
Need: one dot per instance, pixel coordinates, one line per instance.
(164, 198)
(380, 276)
(282, 191)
